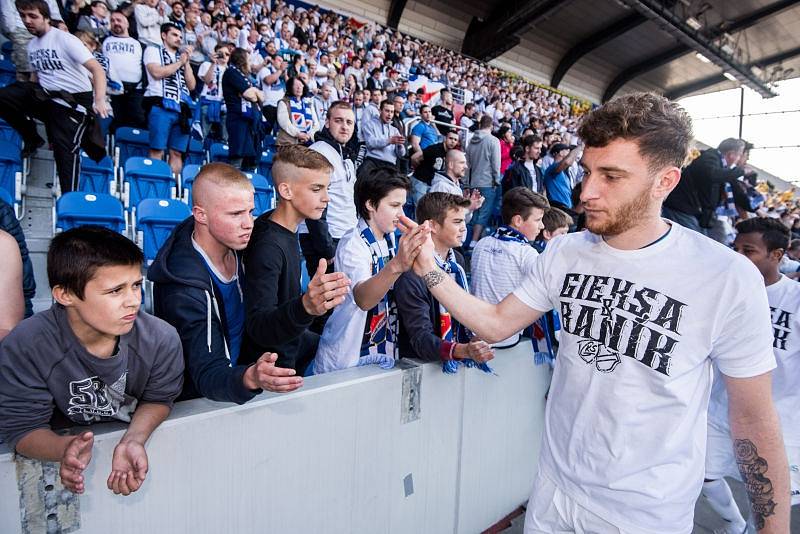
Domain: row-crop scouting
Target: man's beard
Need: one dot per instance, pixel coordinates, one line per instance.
(622, 218)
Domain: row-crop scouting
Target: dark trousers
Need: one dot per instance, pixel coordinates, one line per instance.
(128, 110)
(370, 165)
(65, 126)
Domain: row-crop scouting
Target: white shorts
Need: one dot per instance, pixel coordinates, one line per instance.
(551, 511)
(720, 461)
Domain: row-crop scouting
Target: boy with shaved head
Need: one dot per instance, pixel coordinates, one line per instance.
(278, 314)
(199, 281)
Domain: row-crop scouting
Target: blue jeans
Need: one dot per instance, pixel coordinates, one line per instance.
(418, 190)
(491, 202)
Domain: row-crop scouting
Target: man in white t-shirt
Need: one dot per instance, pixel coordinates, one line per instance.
(363, 329)
(211, 98)
(67, 87)
(502, 260)
(170, 79)
(273, 83)
(124, 53)
(625, 429)
(762, 241)
(14, 30)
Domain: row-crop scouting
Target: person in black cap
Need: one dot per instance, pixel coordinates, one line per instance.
(556, 180)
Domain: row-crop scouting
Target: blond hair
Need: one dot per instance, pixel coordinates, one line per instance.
(219, 174)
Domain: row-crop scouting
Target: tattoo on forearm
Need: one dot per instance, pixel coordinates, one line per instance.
(433, 278)
(753, 468)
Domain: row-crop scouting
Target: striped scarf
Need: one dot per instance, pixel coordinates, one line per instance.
(380, 329)
(301, 114)
(450, 329)
(173, 87)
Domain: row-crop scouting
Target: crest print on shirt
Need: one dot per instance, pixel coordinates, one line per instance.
(96, 400)
(615, 318)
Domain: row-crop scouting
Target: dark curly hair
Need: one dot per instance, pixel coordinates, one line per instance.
(660, 127)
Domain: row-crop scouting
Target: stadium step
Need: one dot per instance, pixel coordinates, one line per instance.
(37, 222)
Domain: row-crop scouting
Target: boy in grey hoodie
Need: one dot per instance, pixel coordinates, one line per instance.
(483, 158)
(92, 357)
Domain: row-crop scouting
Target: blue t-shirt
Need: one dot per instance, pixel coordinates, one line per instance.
(233, 303)
(427, 133)
(557, 185)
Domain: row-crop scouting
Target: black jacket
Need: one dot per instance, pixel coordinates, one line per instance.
(10, 224)
(186, 297)
(274, 314)
(700, 187)
(419, 315)
(518, 175)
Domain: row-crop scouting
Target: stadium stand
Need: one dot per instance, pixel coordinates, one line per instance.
(79, 208)
(155, 220)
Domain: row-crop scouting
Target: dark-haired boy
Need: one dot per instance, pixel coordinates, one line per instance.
(427, 331)
(363, 329)
(92, 357)
(502, 260)
(278, 314)
(763, 241)
(556, 222)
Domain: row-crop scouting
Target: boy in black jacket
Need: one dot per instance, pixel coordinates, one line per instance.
(427, 331)
(277, 313)
(198, 289)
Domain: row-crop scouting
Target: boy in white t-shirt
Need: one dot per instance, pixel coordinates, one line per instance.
(502, 260)
(763, 242)
(645, 307)
(363, 329)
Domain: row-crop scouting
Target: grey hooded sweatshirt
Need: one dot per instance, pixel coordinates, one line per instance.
(483, 157)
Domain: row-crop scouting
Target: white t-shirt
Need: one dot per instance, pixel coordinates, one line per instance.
(625, 425)
(213, 90)
(272, 92)
(152, 54)
(784, 305)
(498, 268)
(531, 166)
(57, 57)
(340, 344)
(341, 215)
(125, 56)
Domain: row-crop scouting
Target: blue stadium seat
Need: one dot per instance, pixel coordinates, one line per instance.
(146, 178)
(79, 209)
(264, 193)
(129, 142)
(196, 154)
(6, 49)
(155, 219)
(7, 133)
(8, 72)
(11, 172)
(265, 165)
(97, 177)
(6, 197)
(187, 180)
(219, 152)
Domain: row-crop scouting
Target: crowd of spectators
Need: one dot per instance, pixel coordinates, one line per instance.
(373, 130)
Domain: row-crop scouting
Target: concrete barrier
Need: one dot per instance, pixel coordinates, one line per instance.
(348, 453)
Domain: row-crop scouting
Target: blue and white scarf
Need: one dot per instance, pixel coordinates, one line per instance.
(380, 329)
(450, 329)
(301, 114)
(173, 88)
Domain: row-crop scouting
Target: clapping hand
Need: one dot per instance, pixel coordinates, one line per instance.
(475, 200)
(76, 458)
(325, 291)
(128, 467)
(411, 245)
(424, 261)
(265, 375)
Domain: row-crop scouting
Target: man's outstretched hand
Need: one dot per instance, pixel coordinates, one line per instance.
(411, 245)
(325, 291)
(265, 375)
(75, 460)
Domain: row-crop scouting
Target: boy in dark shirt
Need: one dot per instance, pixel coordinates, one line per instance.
(427, 331)
(277, 313)
(93, 356)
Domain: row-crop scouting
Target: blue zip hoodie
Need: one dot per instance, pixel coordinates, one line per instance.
(186, 297)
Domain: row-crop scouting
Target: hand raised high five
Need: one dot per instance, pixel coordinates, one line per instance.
(325, 291)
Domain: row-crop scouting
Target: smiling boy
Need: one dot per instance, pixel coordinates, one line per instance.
(92, 357)
(277, 313)
(363, 330)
